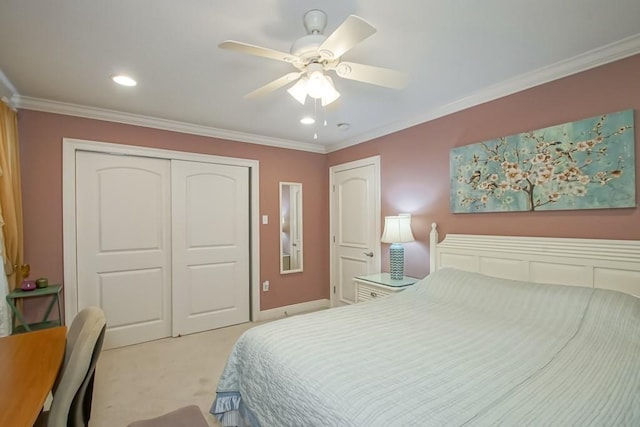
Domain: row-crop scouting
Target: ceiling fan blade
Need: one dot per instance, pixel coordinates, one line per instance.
(274, 85)
(374, 75)
(351, 32)
(257, 50)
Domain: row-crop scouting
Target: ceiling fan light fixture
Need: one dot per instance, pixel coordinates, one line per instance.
(316, 85)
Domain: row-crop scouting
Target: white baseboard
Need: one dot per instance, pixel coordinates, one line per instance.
(290, 310)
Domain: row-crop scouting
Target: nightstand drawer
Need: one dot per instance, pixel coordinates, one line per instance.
(366, 293)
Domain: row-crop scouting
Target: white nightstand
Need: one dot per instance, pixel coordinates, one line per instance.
(378, 285)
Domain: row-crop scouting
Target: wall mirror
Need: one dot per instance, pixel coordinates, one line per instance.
(290, 227)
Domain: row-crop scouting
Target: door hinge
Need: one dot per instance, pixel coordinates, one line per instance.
(334, 239)
(334, 188)
(334, 289)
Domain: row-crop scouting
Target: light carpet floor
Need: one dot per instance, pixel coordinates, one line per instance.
(150, 379)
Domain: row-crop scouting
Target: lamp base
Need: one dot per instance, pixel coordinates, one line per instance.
(396, 261)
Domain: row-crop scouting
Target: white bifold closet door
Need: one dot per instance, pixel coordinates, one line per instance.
(162, 245)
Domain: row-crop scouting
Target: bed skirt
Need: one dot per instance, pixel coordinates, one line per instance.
(230, 410)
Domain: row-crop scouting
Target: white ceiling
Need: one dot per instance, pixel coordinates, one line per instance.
(59, 56)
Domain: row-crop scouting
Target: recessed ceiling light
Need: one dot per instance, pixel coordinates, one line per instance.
(308, 120)
(123, 80)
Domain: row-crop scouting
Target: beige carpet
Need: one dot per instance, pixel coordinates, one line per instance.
(150, 379)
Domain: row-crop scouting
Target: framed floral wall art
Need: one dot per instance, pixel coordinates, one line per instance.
(588, 164)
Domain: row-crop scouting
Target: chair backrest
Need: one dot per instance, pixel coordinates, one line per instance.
(80, 411)
(84, 343)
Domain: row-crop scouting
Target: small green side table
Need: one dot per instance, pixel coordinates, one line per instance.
(52, 291)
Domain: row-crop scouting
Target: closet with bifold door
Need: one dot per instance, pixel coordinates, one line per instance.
(162, 245)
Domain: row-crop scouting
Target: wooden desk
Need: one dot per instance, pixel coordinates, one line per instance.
(29, 364)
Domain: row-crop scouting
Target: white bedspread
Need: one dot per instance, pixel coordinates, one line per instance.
(456, 349)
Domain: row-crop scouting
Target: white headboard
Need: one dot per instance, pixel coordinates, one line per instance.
(607, 264)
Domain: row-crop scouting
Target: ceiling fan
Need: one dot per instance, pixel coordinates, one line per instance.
(315, 54)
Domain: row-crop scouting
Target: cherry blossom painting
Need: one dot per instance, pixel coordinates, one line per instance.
(588, 164)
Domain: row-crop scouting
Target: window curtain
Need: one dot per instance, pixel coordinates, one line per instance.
(10, 196)
(5, 317)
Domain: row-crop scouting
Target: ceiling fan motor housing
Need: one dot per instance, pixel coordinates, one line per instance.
(306, 47)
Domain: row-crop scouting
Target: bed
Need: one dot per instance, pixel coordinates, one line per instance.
(504, 331)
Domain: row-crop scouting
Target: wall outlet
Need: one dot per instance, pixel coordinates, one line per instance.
(265, 286)
(265, 219)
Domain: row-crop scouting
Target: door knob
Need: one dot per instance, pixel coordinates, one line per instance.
(369, 254)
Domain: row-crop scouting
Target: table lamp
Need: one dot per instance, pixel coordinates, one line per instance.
(397, 230)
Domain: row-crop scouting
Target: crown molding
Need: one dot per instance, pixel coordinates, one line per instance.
(597, 57)
(48, 106)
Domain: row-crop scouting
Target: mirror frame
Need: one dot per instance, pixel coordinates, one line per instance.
(281, 219)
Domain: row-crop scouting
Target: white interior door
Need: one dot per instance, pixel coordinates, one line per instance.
(124, 244)
(355, 225)
(210, 246)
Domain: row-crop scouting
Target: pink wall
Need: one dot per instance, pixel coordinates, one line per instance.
(415, 162)
(41, 158)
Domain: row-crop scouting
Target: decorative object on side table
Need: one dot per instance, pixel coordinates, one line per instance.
(397, 230)
(26, 285)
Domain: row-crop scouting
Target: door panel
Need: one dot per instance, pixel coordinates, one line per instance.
(123, 244)
(137, 285)
(208, 288)
(210, 246)
(356, 227)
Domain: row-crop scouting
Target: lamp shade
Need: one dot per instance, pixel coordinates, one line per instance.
(330, 93)
(397, 229)
(299, 90)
